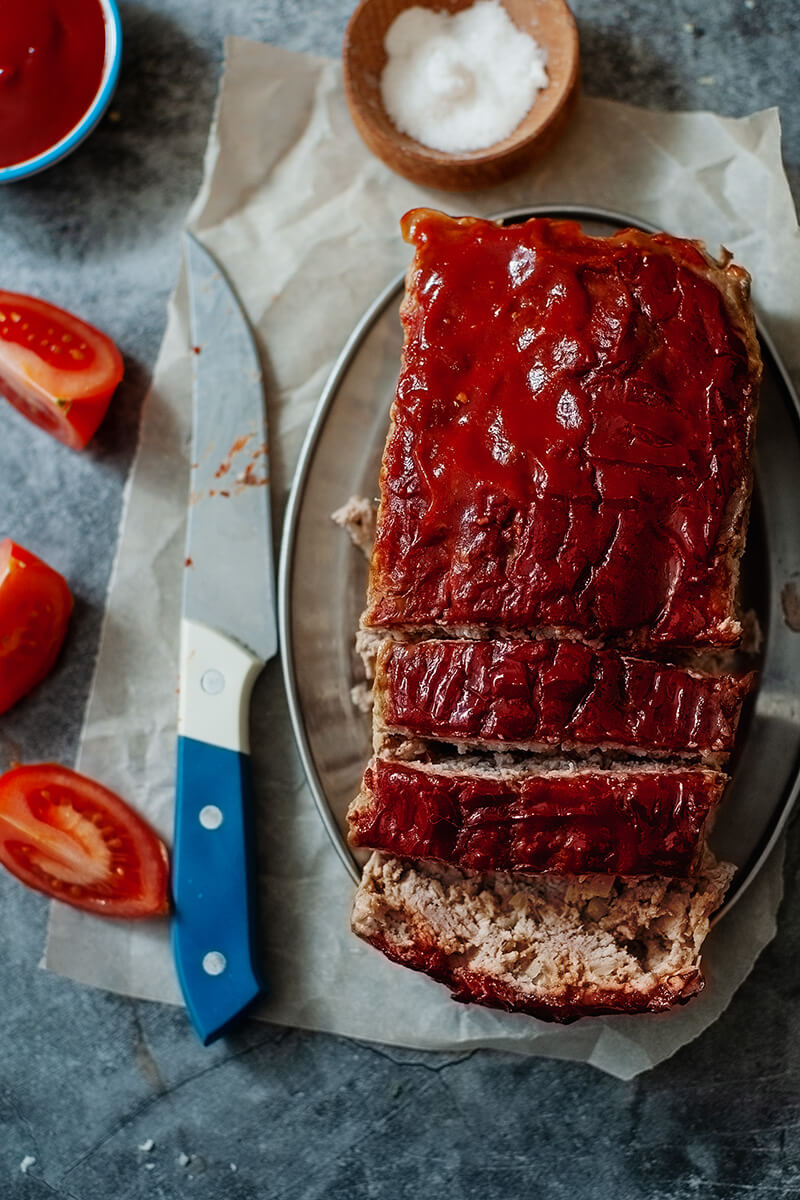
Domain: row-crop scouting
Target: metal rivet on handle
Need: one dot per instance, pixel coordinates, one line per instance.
(212, 682)
(211, 816)
(214, 963)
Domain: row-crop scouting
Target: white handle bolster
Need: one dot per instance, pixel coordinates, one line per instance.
(216, 680)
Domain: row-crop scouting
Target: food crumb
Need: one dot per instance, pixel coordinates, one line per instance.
(358, 517)
(183, 1160)
(361, 697)
(149, 1166)
(234, 1167)
(707, 80)
(27, 1163)
(147, 1145)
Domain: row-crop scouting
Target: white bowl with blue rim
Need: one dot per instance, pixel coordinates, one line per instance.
(73, 137)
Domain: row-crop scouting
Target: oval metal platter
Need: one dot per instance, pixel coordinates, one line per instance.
(323, 580)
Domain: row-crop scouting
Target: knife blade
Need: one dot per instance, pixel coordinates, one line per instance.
(228, 633)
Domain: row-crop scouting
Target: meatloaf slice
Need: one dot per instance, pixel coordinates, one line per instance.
(558, 949)
(571, 436)
(541, 695)
(629, 821)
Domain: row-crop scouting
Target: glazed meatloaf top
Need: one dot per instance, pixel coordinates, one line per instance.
(626, 820)
(571, 436)
(542, 694)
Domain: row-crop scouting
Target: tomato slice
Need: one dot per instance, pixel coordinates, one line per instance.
(57, 370)
(35, 604)
(74, 840)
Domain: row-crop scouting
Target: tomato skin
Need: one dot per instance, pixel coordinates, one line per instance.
(35, 606)
(59, 371)
(69, 837)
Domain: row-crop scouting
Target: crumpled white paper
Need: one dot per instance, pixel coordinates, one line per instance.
(305, 223)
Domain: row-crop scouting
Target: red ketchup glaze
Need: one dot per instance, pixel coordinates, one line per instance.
(572, 418)
(51, 63)
(555, 693)
(611, 823)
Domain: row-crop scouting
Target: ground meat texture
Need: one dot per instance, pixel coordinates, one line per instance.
(571, 436)
(556, 948)
(554, 693)
(615, 822)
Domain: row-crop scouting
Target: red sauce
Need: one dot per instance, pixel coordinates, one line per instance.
(623, 823)
(51, 63)
(573, 418)
(555, 693)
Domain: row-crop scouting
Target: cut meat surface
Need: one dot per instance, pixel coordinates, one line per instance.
(556, 948)
(571, 436)
(535, 695)
(583, 820)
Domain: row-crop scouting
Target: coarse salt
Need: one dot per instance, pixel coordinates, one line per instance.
(463, 82)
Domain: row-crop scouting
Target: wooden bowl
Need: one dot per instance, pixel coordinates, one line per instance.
(549, 22)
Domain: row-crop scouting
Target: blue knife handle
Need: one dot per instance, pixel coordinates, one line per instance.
(214, 886)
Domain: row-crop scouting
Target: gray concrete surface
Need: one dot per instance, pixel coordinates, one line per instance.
(86, 1078)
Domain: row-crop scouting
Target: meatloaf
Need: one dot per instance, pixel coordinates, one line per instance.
(563, 500)
(545, 694)
(554, 947)
(570, 441)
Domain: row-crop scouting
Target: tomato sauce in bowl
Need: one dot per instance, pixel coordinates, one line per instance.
(54, 64)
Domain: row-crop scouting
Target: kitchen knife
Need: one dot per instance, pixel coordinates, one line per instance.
(228, 632)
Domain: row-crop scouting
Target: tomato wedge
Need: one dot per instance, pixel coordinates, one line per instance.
(57, 370)
(35, 604)
(74, 840)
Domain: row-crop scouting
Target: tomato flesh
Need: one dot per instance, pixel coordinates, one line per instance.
(35, 605)
(71, 838)
(59, 371)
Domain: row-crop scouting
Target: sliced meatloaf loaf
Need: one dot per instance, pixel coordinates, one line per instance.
(563, 499)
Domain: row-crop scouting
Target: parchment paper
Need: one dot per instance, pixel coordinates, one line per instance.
(305, 224)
